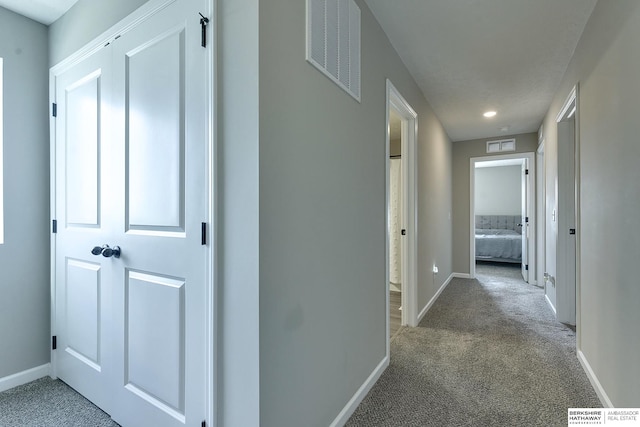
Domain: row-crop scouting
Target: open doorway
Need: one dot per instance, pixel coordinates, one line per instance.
(401, 213)
(396, 202)
(502, 215)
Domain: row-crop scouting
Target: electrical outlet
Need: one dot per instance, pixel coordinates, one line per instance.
(435, 270)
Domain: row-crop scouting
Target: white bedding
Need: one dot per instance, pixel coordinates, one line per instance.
(498, 245)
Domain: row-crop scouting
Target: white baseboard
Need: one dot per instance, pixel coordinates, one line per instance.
(602, 395)
(352, 405)
(551, 305)
(461, 275)
(426, 308)
(24, 377)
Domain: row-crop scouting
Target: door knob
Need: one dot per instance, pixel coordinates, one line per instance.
(97, 250)
(106, 251)
(111, 252)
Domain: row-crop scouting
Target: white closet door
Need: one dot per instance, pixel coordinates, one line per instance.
(160, 291)
(140, 318)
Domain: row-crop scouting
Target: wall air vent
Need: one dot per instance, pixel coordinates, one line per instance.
(333, 41)
(501, 145)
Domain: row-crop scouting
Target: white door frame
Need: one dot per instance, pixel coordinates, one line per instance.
(409, 247)
(530, 199)
(568, 269)
(125, 25)
(540, 212)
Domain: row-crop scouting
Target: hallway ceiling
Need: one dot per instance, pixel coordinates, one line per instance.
(471, 56)
(43, 11)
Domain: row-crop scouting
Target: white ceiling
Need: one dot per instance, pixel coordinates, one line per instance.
(44, 11)
(470, 56)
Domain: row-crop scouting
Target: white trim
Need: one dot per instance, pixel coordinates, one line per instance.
(212, 307)
(461, 276)
(578, 212)
(426, 308)
(595, 383)
(531, 249)
(546, 297)
(540, 193)
(353, 403)
(409, 117)
(569, 106)
(24, 377)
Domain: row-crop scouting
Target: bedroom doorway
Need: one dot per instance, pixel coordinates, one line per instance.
(396, 225)
(401, 241)
(502, 214)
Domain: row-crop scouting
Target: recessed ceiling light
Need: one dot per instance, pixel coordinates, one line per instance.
(489, 114)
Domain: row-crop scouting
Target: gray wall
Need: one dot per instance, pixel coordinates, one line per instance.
(606, 64)
(322, 218)
(498, 190)
(238, 221)
(463, 151)
(24, 257)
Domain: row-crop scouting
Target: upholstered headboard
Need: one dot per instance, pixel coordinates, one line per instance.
(499, 222)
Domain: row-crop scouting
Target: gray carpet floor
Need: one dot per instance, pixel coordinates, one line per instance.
(488, 353)
(49, 403)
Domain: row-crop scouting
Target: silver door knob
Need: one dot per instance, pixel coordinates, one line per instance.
(106, 251)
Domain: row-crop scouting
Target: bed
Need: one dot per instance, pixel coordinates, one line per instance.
(498, 238)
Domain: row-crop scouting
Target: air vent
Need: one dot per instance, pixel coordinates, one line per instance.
(501, 145)
(333, 41)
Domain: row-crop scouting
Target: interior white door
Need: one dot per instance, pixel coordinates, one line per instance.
(151, 198)
(160, 293)
(83, 281)
(524, 193)
(566, 251)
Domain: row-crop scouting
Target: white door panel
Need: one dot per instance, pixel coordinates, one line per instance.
(82, 297)
(154, 111)
(82, 280)
(160, 296)
(82, 107)
(566, 242)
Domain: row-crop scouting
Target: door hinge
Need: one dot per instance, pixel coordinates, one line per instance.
(54, 226)
(54, 342)
(526, 219)
(572, 231)
(203, 24)
(403, 232)
(526, 171)
(203, 237)
(526, 267)
(54, 109)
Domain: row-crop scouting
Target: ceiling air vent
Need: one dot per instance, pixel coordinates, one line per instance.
(501, 145)
(333, 41)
